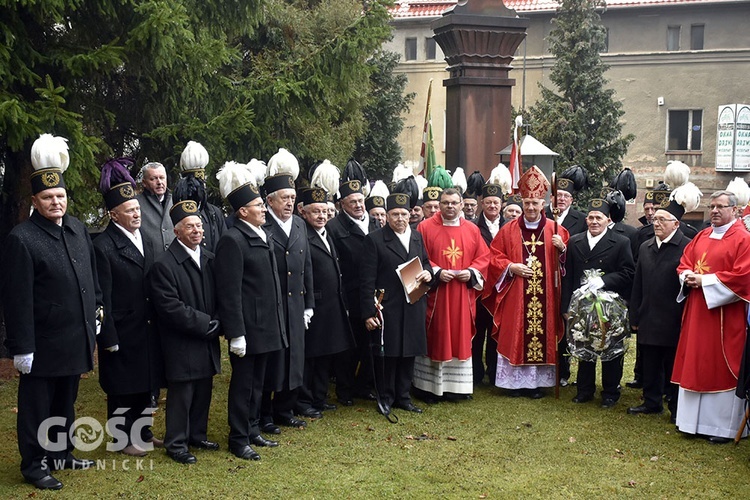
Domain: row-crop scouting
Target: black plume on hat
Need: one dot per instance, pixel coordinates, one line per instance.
(625, 183)
(354, 171)
(190, 187)
(616, 201)
(579, 177)
(408, 186)
(474, 185)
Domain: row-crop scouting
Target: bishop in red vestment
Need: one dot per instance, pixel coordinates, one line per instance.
(524, 296)
(460, 257)
(715, 276)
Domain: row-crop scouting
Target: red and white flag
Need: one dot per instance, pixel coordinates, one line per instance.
(515, 155)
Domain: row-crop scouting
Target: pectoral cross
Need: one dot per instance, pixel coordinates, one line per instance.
(530, 260)
(533, 244)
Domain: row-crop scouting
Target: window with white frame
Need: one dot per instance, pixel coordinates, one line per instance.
(685, 130)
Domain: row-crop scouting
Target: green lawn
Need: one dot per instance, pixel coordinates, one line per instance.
(490, 447)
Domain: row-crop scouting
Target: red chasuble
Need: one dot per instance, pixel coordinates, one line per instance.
(526, 312)
(712, 340)
(451, 307)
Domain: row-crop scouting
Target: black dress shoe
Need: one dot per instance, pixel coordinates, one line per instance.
(346, 402)
(73, 464)
(46, 483)
(368, 396)
(608, 403)
(384, 409)
(535, 393)
(327, 407)
(582, 399)
(292, 422)
(183, 457)
(409, 407)
(645, 410)
(270, 428)
(261, 441)
(205, 445)
(515, 393)
(246, 453)
(718, 440)
(634, 384)
(311, 413)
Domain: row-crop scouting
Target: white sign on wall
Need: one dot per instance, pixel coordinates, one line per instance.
(742, 139)
(733, 138)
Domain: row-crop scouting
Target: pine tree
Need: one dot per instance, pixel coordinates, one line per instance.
(581, 119)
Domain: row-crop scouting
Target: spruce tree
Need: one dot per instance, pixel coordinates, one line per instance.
(580, 118)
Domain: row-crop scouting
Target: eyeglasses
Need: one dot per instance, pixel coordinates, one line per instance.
(719, 207)
(662, 220)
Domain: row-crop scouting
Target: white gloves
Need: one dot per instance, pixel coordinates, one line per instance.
(238, 346)
(113, 348)
(22, 362)
(596, 283)
(308, 314)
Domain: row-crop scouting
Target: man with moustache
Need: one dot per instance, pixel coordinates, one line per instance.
(416, 215)
(348, 230)
(50, 298)
(375, 206)
(250, 307)
(329, 332)
(431, 201)
(403, 326)
(130, 362)
(182, 283)
(155, 202)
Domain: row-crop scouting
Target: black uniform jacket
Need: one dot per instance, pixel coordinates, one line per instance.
(50, 295)
(574, 222)
(185, 295)
(611, 255)
(653, 303)
(248, 293)
(405, 332)
(129, 322)
(348, 238)
(329, 331)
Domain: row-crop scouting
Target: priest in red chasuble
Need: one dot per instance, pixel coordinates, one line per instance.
(523, 293)
(459, 257)
(715, 275)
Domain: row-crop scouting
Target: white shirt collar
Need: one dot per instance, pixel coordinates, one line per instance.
(718, 232)
(133, 237)
(404, 238)
(364, 223)
(258, 230)
(285, 226)
(194, 254)
(454, 222)
(593, 240)
(659, 242)
(322, 233)
(563, 214)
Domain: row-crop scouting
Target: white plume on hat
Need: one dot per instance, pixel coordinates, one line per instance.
(50, 151)
(688, 195)
(193, 157)
(677, 174)
(740, 188)
(233, 175)
(459, 179)
(413, 166)
(379, 189)
(401, 172)
(283, 162)
(501, 175)
(422, 182)
(326, 176)
(257, 170)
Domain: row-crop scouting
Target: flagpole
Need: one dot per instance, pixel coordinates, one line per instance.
(425, 132)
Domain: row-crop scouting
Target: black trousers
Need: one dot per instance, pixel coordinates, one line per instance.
(354, 379)
(244, 399)
(188, 404)
(638, 368)
(314, 390)
(126, 410)
(657, 362)
(40, 398)
(278, 405)
(483, 352)
(611, 376)
(394, 375)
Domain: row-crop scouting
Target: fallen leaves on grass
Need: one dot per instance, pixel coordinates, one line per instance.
(654, 458)
(571, 439)
(631, 484)
(140, 479)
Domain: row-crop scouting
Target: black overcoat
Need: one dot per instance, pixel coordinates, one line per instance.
(574, 222)
(405, 333)
(185, 295)
(611, 255)
(348, 238)
(50, 295)
(653, 302)
(248, 294)
(329, 331)
(214, 225)
(481, 223)
(129, 322)
(296, 279)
